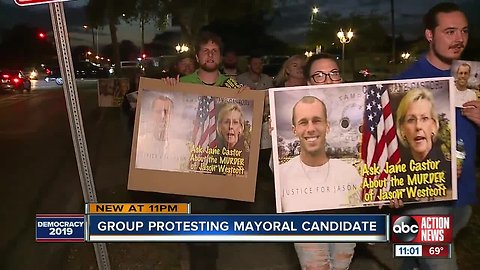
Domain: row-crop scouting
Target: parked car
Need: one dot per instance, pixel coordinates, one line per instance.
(54, 74)
(14, 79)
(87, 69)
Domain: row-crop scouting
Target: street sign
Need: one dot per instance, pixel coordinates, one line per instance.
(35, 2)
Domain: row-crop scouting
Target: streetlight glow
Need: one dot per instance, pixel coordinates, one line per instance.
(308, 53)
(350, 34)
(315, 10)
(344, 39)
(182, 48)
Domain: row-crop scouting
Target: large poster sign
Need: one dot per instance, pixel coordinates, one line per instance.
(196, 140)
(361, 144)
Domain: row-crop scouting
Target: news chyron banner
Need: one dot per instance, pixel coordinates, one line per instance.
(422, 236)
(72, 227)
(104, 222)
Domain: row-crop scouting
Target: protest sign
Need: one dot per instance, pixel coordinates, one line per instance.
(360, 144)
(196, 140)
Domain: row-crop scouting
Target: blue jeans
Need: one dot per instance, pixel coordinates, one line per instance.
(325, 255)
(430, 264)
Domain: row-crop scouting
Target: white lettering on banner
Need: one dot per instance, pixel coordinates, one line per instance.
(48, 224)
(341, 226)
(267, 226)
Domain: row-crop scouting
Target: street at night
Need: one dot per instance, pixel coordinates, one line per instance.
(400, 81)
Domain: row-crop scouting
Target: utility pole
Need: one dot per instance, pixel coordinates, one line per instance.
(392, 9)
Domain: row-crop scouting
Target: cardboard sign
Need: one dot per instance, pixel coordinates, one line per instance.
(196, 140)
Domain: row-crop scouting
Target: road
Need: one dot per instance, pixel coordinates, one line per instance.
(39, 175)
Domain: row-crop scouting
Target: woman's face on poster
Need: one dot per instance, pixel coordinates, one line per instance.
(419, 128)
(231, 127)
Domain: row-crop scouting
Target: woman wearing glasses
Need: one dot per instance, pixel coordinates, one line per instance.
(323, 69)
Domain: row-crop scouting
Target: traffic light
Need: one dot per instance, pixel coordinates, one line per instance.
(144, 55)
(42, 35)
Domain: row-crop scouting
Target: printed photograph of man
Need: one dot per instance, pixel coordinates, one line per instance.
(462, 75)
(157, 149)
(312, 180)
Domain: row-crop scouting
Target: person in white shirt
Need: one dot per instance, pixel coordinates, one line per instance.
(254, 78)
(311, 180)
(463, 94)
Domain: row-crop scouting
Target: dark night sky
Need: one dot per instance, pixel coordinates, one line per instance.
(291, 26)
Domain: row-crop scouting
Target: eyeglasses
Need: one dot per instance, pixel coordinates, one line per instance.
(321, 77)
(414, 120)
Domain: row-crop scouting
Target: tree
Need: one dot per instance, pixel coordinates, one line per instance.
(146, 11)
(21, 47)
(127, 49)
(193, 15)
(369, 35)
(108, 12)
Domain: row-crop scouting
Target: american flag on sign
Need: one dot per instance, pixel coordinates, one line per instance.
(379, 140)
(204, 129)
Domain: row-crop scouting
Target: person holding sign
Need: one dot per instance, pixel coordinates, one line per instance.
(314, 169)
(446, 30)
(208, 49)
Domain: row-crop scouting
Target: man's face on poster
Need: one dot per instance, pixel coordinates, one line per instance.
(231, 128)
(311, 127)
(161, 110)
(463, 73)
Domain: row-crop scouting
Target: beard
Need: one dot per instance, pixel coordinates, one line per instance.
(209, 67)
(444, 58)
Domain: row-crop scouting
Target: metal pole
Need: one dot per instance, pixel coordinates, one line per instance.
(93, 40)
(97, 41)
(392, 10)
(143, 35)
(64, 54)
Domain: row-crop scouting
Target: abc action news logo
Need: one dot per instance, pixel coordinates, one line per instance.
(422, 229)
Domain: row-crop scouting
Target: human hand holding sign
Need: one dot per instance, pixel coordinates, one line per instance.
(171, 81)
(471, 110)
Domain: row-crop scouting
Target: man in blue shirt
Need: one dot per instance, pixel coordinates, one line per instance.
(446, 30)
